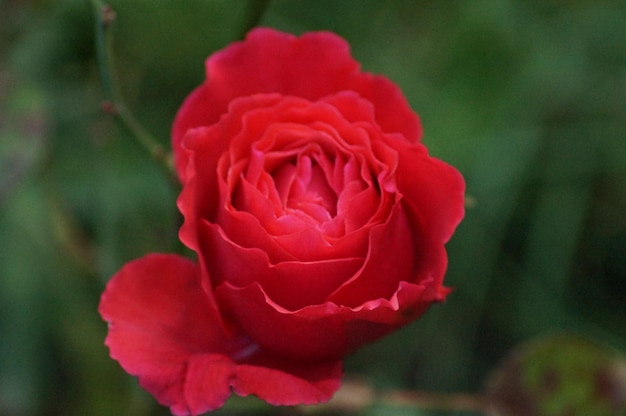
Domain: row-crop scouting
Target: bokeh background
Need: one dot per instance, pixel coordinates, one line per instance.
(526, 97)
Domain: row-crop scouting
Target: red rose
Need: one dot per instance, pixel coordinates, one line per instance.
(318, 218)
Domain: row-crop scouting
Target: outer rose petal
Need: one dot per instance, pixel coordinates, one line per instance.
(159, 321)
(325, 331)
(279, 381)
(292, 284)
(313, 66)
(389, 261)
(163, 329)
(433, 190)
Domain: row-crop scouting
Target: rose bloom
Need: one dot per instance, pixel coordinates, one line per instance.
(318, 219)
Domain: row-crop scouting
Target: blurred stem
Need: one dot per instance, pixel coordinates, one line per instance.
(435, 401)
(355, 396)
(256, 9)
(104, 16)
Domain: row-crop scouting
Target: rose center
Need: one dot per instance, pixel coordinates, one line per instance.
(304, 189)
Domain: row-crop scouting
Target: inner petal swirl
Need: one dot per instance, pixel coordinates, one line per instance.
(304, 189)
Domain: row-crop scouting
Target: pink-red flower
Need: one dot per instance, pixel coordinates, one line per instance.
(319, 222)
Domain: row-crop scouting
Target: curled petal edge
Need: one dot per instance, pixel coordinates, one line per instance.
(312, 327)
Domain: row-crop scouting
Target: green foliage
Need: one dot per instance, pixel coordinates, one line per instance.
(526, 98)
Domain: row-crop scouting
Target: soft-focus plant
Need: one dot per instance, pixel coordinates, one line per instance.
(313, 218)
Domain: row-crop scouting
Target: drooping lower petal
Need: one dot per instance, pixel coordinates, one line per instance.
(162, 329)
(165, 330)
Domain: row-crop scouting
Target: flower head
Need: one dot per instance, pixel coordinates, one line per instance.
(319, 222)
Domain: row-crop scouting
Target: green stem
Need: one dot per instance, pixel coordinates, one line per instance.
(102, 49)
(104, 16)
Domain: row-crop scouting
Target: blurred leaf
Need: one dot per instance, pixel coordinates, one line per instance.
(525, 98)
(23, 127)
(561, 375)
(22, 303)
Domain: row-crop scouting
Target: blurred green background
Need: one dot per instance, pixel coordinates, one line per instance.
(526, 97)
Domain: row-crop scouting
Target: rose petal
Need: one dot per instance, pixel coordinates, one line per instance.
(293, 284)
(203, 147)
(252, 215)
(291, 237)
(159, 321)
(312, 66)
(207, 383)
(280, 381)
(434, 202)
(389, 261)
(433, 191)
(319, 64)
(393, 112)
(164, 329)
(324, 331)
